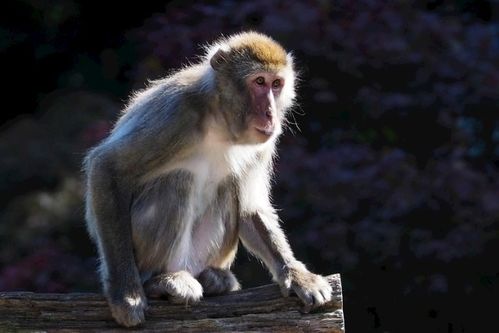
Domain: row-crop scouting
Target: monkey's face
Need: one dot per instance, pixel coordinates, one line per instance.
(263, 120)
(255, 83)
(263, 117)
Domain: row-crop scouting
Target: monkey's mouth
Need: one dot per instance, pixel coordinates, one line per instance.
(267, 130)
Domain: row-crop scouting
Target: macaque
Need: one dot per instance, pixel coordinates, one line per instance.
(185, 174)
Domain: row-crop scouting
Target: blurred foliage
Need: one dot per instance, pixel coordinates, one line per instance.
(391, 175)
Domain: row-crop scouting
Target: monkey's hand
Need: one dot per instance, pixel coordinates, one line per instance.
(128, 307)
(314, 290)
(180, 287)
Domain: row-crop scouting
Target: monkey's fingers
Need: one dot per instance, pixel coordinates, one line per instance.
(327, 292)
(285, 283)
(285, 290)
(185, 300)
(313, 293)
(305, 296)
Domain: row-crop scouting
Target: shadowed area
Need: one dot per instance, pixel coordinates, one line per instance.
(391, 175)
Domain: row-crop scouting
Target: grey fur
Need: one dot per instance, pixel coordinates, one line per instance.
(159, 217)
(216, 281)
(162, 199)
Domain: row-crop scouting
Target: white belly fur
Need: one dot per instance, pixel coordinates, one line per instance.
(204, 226)
(210, 164)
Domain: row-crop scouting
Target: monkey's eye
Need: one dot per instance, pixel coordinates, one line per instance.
(260, 80)
(276, 84)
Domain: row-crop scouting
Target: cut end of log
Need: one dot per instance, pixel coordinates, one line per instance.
(260, 309)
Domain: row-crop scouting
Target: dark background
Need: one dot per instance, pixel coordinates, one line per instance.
(392, 178)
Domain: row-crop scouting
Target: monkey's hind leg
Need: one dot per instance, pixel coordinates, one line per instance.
(180, 287)
(216, 281)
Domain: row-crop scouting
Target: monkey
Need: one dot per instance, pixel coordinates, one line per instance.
(185, 174)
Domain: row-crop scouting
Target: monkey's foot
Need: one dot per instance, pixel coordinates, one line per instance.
(216, 281)
(314, 290)
(180, 287)
(128, 310)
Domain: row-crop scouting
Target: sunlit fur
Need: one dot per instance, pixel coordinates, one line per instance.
(183, 177)
(261, 48)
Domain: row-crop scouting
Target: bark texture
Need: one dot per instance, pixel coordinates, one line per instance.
(260, 309)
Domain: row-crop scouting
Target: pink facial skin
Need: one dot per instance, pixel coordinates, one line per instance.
(264, 89)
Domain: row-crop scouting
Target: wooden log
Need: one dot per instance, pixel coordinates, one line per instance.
(260, 309)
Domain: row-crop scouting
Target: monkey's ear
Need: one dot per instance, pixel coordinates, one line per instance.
(218, 59)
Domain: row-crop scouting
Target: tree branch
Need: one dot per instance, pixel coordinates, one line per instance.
(250, 310)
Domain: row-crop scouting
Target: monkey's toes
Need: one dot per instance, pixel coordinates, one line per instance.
(180, 287)
(129, 312)
(216, 281)
(186, 291)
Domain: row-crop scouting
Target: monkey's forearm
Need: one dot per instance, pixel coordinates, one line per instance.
(262, 235)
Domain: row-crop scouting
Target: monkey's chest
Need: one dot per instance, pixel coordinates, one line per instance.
(207, 218)
(181, 219)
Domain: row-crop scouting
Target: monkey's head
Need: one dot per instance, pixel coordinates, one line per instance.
(255, 82)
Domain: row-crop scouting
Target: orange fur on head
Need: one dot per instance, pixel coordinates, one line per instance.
(260, 47)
